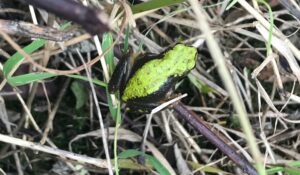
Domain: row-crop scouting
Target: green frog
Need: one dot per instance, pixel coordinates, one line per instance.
(149, 81)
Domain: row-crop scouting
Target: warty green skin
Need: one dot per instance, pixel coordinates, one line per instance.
(176, 62)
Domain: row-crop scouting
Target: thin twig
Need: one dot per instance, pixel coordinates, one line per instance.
(49, 124)
(104, 138)
(202, 128)
(61, 153)
(5, 120)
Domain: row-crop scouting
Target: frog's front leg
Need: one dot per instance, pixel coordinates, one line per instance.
(120, 74)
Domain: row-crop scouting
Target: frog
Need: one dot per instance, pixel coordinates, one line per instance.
(146, 82)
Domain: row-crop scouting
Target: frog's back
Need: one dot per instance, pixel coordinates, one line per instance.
(161, 72)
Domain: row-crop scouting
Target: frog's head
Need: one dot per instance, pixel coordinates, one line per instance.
(184, 58)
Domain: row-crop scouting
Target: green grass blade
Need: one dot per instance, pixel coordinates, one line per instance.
(95, 81)
(14, 61)
(107, 42)
(129, 154)
(154, 4)
(233, 2)
(37, 76)
(292, 171)
(28, 78)
(109, 57)
(157, 165)
(270, 12)
(126, 40)
(152, 160)
(291, 168)
(17, 57)
(205, 168)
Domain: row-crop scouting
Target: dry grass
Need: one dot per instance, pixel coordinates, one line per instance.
(248, 95)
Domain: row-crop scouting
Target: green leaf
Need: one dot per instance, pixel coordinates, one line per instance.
(292, 168)
(37, 76)
(157, 165)
(131, 165)
(233, 2)
(205, 168)
(292, 171)
(152, 160)
(109, 57)
(28, 78)
(80, 94)
(274, 170)
(270, 12)
(126, 40)
(154, 4)
(129, 153)
(17, 58)
(13, 62)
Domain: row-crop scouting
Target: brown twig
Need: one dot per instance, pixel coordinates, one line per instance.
(93, 21)
(79, 68)
(193, 119)
(30, 30)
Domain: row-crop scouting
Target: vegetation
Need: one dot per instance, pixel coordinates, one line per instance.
(58, 117)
